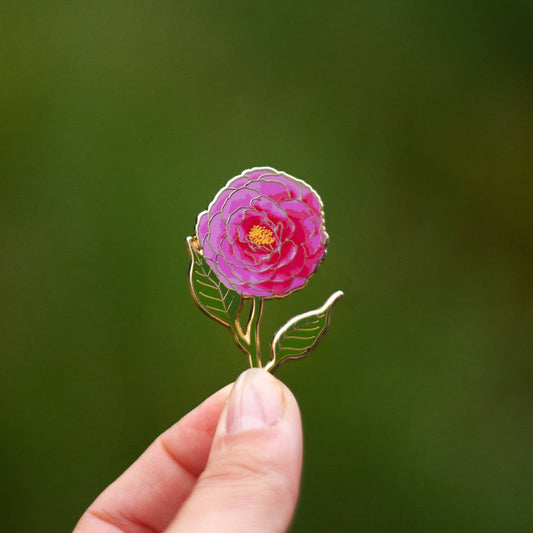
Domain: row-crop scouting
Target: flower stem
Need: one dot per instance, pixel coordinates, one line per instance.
(253, 329)
(249, 340)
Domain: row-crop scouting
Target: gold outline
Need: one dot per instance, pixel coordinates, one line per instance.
(273, 365)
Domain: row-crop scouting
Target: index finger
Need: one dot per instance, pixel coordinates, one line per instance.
(151, 491)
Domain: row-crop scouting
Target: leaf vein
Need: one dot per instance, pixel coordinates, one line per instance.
(292, 349)
(210, 297)
(203, 283)
(309, 329)
(299, 338)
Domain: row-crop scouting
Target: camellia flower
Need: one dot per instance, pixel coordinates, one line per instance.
(261, 237)
(263, 234)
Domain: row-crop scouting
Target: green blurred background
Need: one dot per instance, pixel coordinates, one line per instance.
(119, 120)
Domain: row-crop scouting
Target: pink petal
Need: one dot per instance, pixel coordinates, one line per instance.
(255, 174)
(238, 199)
(202, 228)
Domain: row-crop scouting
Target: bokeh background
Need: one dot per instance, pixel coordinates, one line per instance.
(119, 120)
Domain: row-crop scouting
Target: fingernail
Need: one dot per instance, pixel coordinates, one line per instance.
(255, 402)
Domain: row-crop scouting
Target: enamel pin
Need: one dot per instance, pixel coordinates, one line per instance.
(261, 237)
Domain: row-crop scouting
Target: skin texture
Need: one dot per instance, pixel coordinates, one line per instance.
(233, 464)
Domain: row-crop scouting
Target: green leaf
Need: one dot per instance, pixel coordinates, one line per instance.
(300, 335)
(209, 293)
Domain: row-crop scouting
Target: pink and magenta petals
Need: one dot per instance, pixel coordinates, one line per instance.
(287, 253)
(288, 208)
(273, 188)
(216, 228)
(234, 224)
(293, 268)
(299, 213)
(269, 206)
(239, 199)
(238, 182)
(219, 200)
(311, 199)
(202, 228)
(255, 174)
(312, 262)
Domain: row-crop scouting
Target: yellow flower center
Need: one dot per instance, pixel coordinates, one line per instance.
(261, 235)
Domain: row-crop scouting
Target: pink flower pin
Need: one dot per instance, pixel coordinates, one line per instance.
(262, 236)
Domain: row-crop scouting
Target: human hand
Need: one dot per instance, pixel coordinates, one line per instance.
(232, 464)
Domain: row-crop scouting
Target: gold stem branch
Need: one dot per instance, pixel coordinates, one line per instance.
(251, 340)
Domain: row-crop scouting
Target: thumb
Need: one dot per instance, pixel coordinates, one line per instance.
(252, 476)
